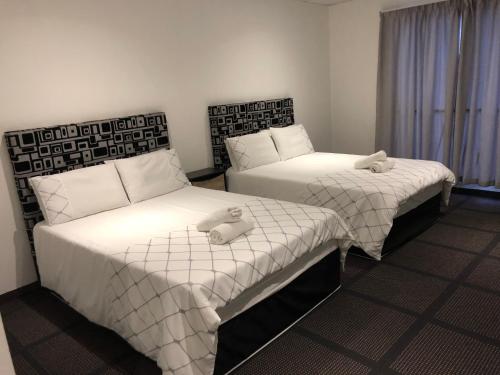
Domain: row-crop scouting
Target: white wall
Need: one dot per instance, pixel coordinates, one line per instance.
(354, 35)
(66, 61)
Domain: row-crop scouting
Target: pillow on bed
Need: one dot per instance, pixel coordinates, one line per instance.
(152, 174)
(265, 132)
(292, 141)
(82, 192)
(230, 154)
(252, 150)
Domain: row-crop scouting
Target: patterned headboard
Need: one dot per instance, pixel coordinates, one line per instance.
(56, 149)
(231, 120)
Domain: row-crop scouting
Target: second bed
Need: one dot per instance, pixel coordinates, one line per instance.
(267, 155)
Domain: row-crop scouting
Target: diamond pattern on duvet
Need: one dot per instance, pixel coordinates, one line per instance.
(165, 291)
(368, 202)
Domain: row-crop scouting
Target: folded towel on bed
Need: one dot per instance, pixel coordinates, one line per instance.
(370, 159)
(382, 166)
(223, 233)
(225, 215)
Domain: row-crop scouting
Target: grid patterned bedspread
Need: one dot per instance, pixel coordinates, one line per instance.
(164, 292)
(369, 202)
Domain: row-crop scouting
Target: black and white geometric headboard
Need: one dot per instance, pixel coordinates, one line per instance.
(232, 120)
(56, 149)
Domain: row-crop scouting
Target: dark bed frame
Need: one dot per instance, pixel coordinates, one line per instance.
(231, 120)
(56, 149)
(242, 336)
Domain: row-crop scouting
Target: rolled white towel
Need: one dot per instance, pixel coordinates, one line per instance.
(225, 215)
(226, 232)
(370, 159)
(382, 166)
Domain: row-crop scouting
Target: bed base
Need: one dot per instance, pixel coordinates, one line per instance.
(243, 336)
(407, 226)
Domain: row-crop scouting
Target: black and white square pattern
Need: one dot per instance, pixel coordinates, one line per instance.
(233, 120)
(61, 148)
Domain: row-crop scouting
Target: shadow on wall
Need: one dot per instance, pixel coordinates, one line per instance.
(25, 270)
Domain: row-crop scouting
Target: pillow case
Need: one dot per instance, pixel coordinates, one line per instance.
(292, 141)
(252, 150)
(265, 132)
(82, 192)
(150, 175)
(232, 159)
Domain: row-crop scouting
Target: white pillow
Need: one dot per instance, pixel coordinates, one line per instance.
(82, 192)
(266, 132)
(230, 154)
(252, 150)
(292, 141)
(150, 175)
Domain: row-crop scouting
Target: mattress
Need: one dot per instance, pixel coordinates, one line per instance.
(74, 258)
(367, 201)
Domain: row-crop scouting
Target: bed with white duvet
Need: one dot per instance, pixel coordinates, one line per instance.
(119, 242)
(281, 163)
(145, 272)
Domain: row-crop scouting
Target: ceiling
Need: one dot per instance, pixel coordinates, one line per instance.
(325, 2)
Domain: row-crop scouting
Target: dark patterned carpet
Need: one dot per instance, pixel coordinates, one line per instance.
(431, 307)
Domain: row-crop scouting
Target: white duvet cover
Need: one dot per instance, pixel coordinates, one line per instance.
(145, 272)
(367, 201)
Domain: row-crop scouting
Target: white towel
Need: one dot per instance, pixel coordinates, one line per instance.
(225, 215)
(369, 160)
(223, 233)
(382, 166)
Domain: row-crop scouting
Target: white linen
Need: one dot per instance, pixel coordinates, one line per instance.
(366, 161)
(82, 192)
(382, 166)
(251, 150)
(226, 232)
(367, 201)
(266, 132)
(116, 261)
(291, 141)
(150, 175)
(224, 215)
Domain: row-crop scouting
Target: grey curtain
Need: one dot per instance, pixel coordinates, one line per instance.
(439, 86)
(418, 64)
(476, 145)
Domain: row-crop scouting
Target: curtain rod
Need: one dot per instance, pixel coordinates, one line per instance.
(413, 5)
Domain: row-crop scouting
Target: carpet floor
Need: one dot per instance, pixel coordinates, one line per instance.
(430, 307)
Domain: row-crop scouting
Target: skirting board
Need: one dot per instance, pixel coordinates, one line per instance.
(476, 192)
